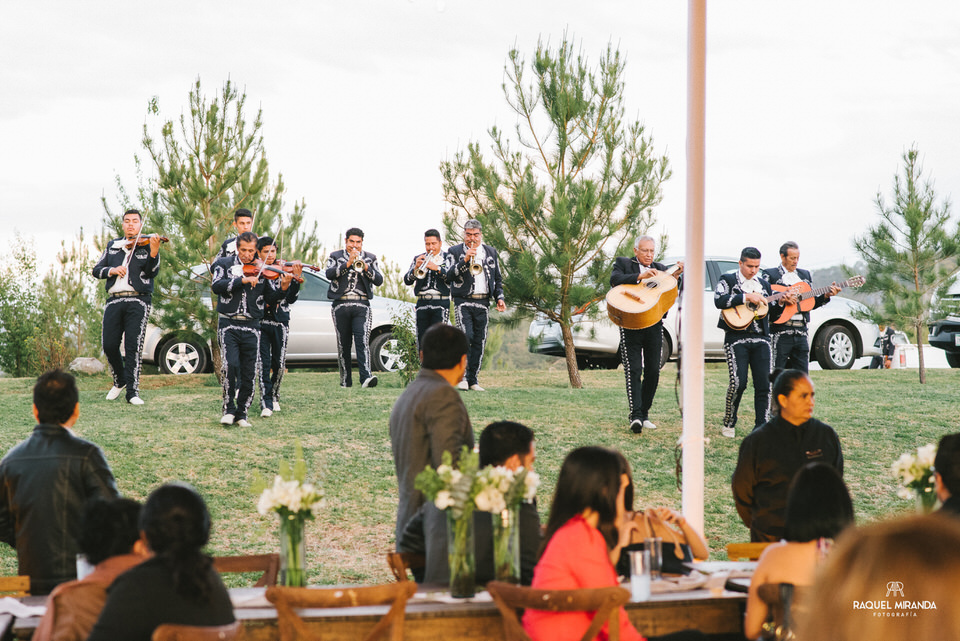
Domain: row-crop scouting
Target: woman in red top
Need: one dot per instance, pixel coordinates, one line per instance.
(577, 554)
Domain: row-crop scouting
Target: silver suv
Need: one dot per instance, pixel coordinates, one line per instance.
(312, 339)
(837, 339)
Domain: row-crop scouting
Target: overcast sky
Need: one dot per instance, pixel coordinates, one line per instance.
(809, 105)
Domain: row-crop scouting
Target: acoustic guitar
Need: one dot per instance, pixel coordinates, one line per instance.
(742, 315)
(641, 305)
(805, 301)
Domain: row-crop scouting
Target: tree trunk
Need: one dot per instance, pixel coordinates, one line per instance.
(923, 371)
(572, 370)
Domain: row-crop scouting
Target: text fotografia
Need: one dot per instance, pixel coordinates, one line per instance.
(894, 608)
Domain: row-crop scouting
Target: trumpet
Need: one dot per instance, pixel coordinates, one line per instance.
(475, 266)
(421, 271)
(356, 263)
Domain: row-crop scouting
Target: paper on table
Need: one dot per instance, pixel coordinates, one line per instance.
(678, 584)
(247, 600)
(9, 605)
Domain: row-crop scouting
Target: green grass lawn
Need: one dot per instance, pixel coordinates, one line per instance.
(177, 436)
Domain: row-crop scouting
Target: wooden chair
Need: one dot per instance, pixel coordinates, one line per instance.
(604, 602)
(171, 632)
(293, 628)
(785, 602)
(400, 562)
(746, 551)
(15, 586)
(269, 564)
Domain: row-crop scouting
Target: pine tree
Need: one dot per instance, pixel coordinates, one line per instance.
(581, 186)
(206, 165)
(912, 253)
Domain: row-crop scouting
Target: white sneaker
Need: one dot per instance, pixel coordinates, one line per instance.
(266, 413)
(115, 393)
(136, 400)
(244, 423)
(463, 385)
(476, 388)
(647, 425)
(227, 419)
(276, 406)
(729, 432)
(370, 382)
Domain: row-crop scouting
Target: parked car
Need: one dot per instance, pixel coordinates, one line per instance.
(312, 340)
(945, 335)
(837, 339)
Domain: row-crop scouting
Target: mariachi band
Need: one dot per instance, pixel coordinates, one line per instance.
(255, 290)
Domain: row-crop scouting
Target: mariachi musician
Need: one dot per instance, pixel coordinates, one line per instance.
(475, 280)
(428, 275)
(640, 348)
(275, 329)
(242, 292)
(129, 264)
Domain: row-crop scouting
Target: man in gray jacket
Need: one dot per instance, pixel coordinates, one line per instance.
(428, 419)
(45, 481)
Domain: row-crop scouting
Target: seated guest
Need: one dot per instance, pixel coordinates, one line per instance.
(178, 584)
(681, 542)
(888, 581)
(45, 480)
(587, 525)
(818, 509)
(509, 445)
(946, 478)
(110, 539)
(772, 454)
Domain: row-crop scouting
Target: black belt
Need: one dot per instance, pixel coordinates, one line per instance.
(432, 297)
(352, 297)
(236, 317)
(126, 294)
(795, 323)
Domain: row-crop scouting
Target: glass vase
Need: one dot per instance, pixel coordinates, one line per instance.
(506, 545)
(460, 555)
(293, 553)
(926, 501)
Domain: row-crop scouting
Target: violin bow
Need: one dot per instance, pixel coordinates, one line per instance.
(135, 241)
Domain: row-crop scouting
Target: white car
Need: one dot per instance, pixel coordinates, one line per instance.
(837, 339)
(312, 339)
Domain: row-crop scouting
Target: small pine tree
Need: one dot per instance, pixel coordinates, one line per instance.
(580, 187)
(911, 253)
(207, 165)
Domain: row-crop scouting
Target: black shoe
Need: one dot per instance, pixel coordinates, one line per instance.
(636, 426)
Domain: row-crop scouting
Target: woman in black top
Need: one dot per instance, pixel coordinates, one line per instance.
(178, 584)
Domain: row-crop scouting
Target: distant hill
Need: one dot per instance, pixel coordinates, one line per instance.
(826, 275)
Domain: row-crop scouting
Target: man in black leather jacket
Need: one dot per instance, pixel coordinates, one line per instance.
(45, 481)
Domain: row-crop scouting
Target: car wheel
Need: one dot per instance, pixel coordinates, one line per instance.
(183, 356)
(953, 360)
(835, 348)
(385, 353)
(665, 350)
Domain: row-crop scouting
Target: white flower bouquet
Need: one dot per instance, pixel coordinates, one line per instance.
(915, 473)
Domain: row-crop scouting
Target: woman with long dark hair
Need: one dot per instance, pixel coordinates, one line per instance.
(178, 584)
(819, 508)
(585, 530)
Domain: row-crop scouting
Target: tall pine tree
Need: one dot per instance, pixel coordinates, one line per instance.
(205, 165)
(570, 198)
(911, 254)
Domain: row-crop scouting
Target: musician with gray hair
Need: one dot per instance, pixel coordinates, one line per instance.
(475, 279)
(640, 348)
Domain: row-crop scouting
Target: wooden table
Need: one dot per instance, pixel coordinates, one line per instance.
(480, 621)
(720, 616)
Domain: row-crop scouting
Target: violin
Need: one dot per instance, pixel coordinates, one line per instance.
(270, 272)
(144, 240)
